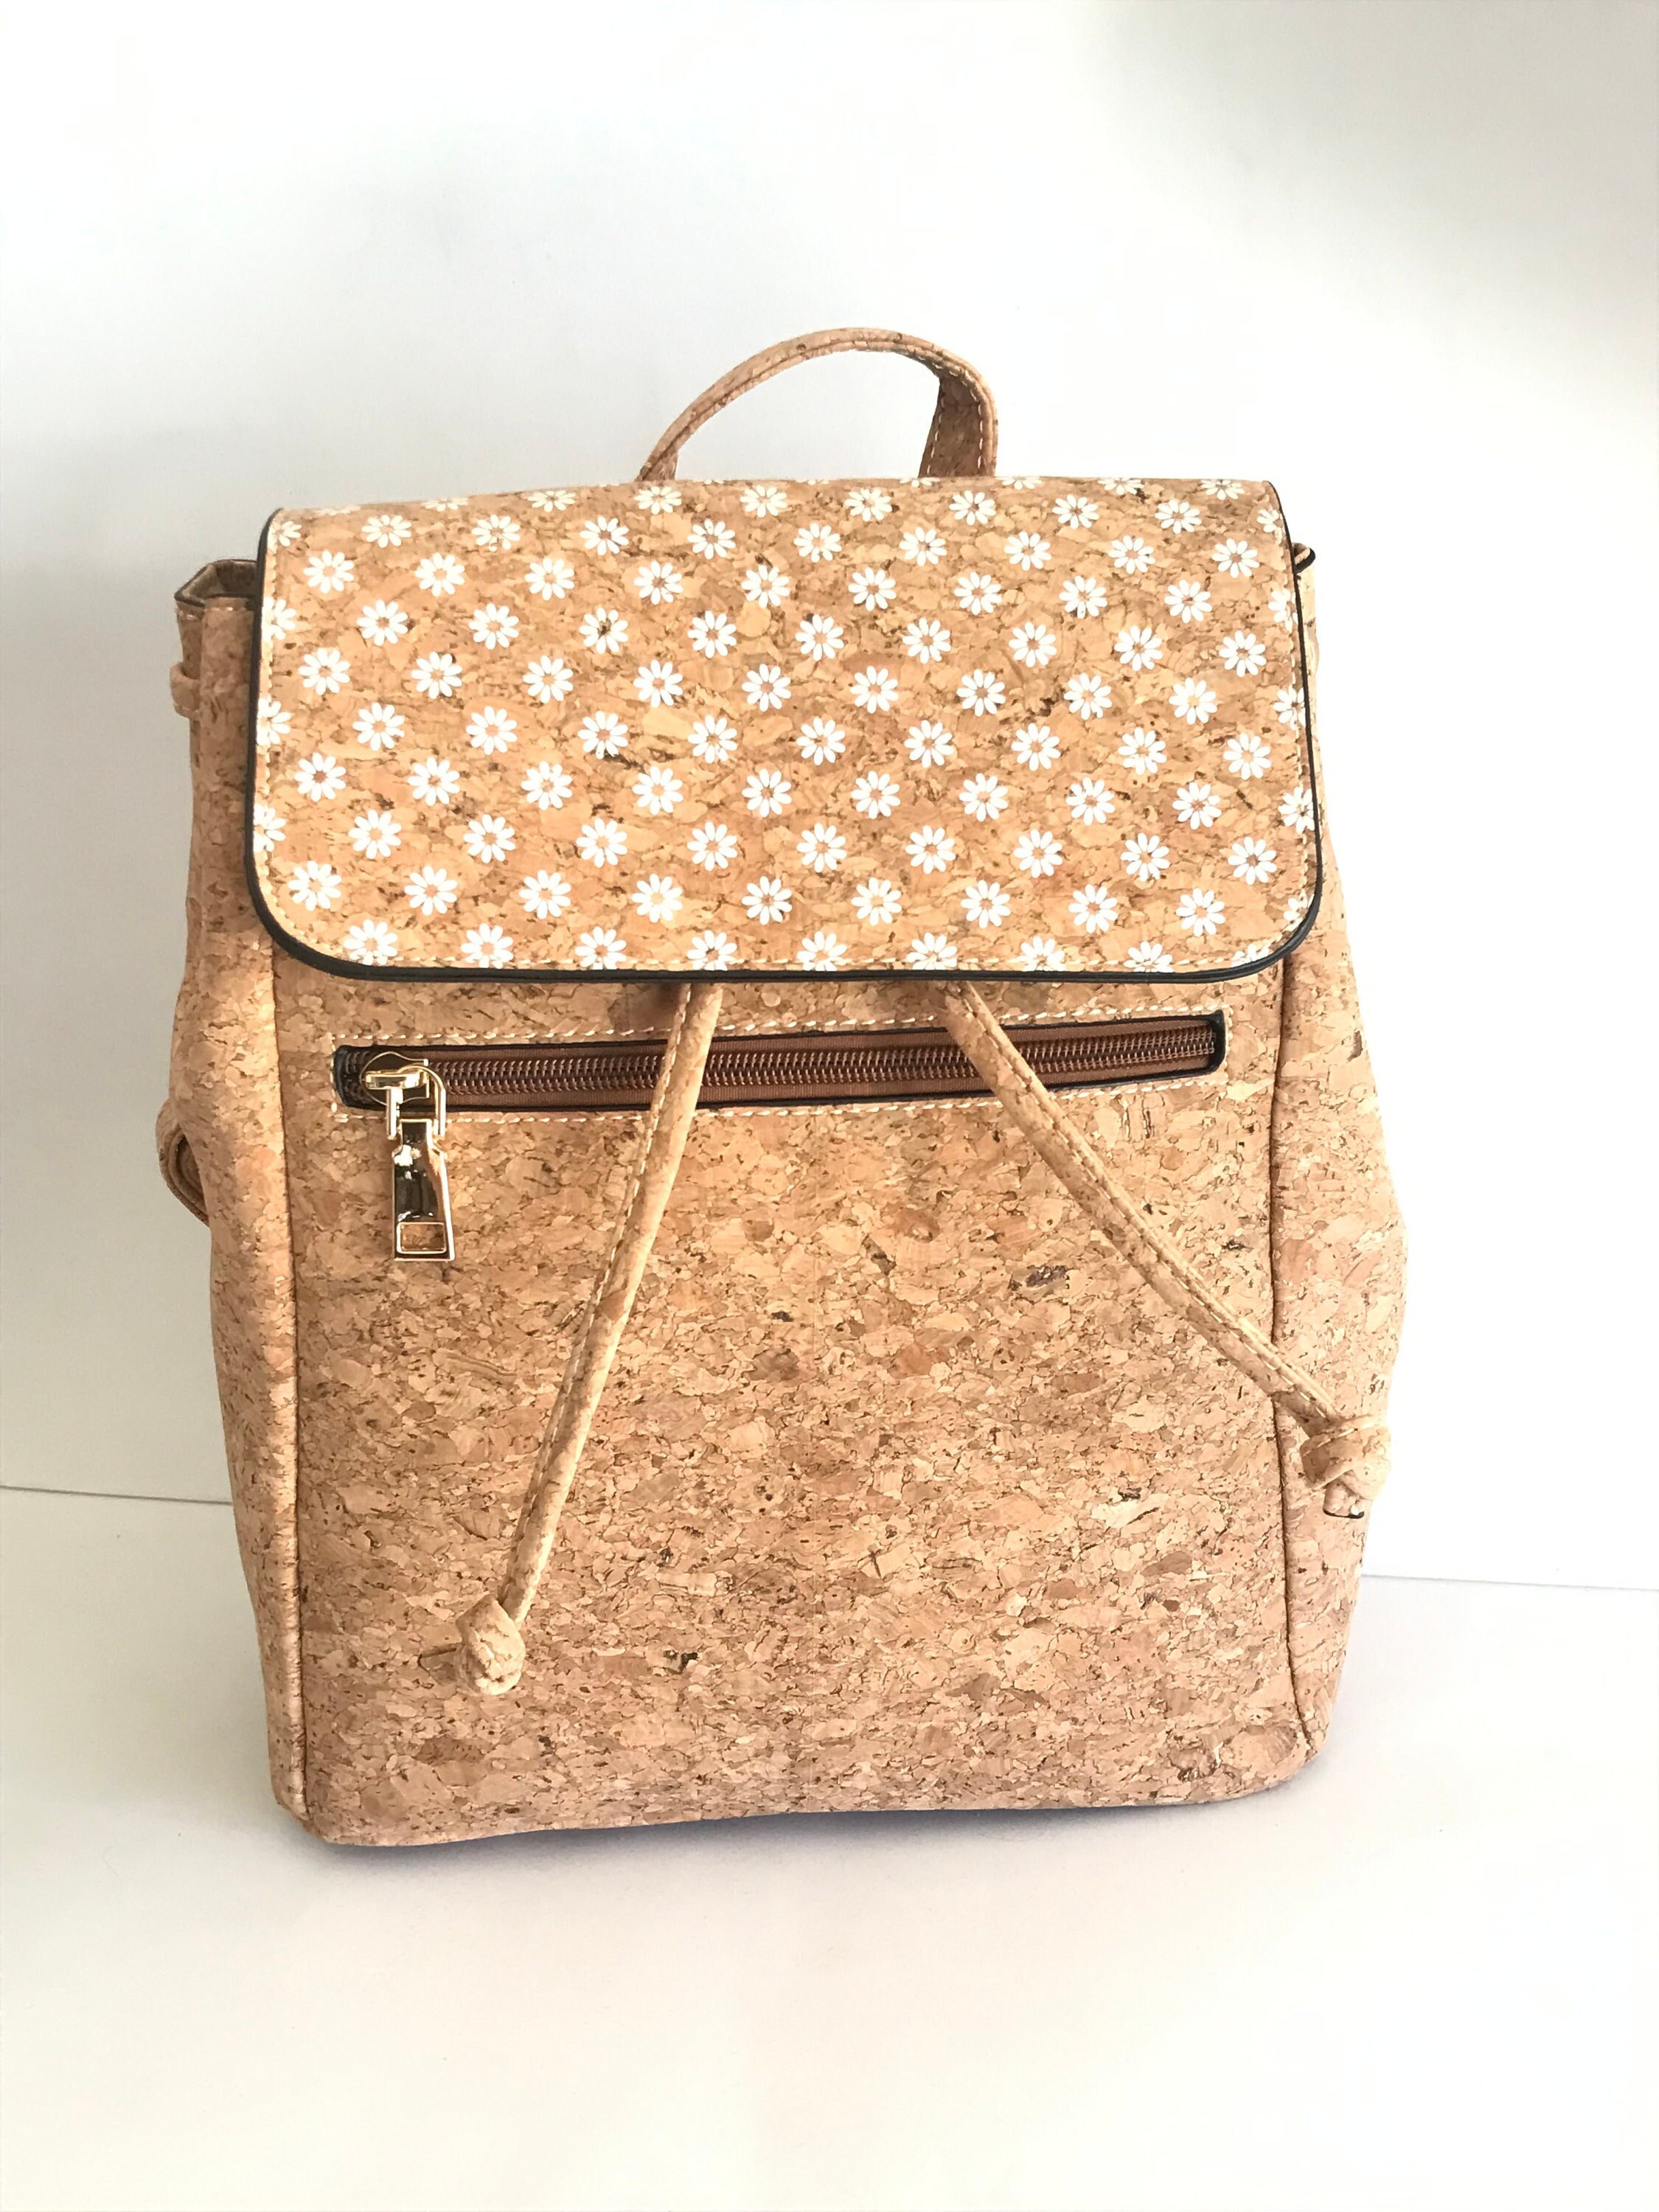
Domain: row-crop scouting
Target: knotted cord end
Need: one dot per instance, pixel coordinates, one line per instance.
(490, 1659)
(1351, 1459)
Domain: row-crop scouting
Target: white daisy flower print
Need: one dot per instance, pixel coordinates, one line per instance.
(820, 637)
(1134, 555)
(551, 578)
(388, 529)
(1236, 558)
(443, 506)
(314, 884)
(1296, 909)
(1242, 654)
(1179, 516)
(1139, 647)
(487, 946)
(977, 594)
(325, 672)
(659, 684)
(1083, 597)
(1089, 800)
(659, 898)
(490, 837)
(712, 635)
(931, 850)
(764, 499)
(1269, 519)
(1252, 860)
(923, 548)
(319, 776)
(711, 948)
(875, 796)
(817, 542)
(875, 691)
(285, 532)
(1296, 810)
(602, 843)
(766, 687)
(1188, 602)
(440, 574)
(375, 833)
(822, 951)
(271, 724)
(981, 693)
(378, 727)
(551, 502)
(1121, 487)
(765, 586)
(1024, 484)
(1093, 908)
(1146, 858)
(268, 827)
(821, 740)
(1042, 952)
(604, 630)
(1289, 702)
(767, 900)
(496, 533)
(1036, 746)
(984, 798)
(1247, 756)
(491, 730)
(877, 903)
(1223, 488)
(1075, 513)
(1142, 751)
(1199, 913)
(1198, 805)
(711, 847)
(371, 944)
(927, 641)
(433, 782)
(658, 498)
(604, 735)
(1193, 701)
(1282, 605)
(975, 507)
(278, 618)
(1038, 852)
(659, 790)
(869, 505)
(549, 679)
(1088, 696)
(437, 676)
(547, 786)
(329, 572)
(822, 847)
(1026, 550)
(713, 541)
(659, 581)
(605, 534)
(873, 587)
(985, 904)
(545, 896)
(431, 890)
(713, 739)
(932, 951)
(1032, 646)
(930, 744)
(767, 792)
(383, 623)
(601, 948)
(1148, 957)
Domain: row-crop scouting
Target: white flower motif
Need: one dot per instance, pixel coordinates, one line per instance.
(379, 727)
(1033, 646)
(817, 542)
(930, 744)
(433, 782)
(1252, 860)
(375, 833)
(1296, 810)
(491, 730)
(496, 533)
(1073, 512)
(320, 775)
(1193, 701)
(1243, 654)
(1145, 858)
(271, 724)
(268, 827)
(549, 680)
(1089, 800)
(977, 594)
(820, 638)
(1134, 555)
(711, 847)
(926, 640)
(1142, 750)
(981, 692)
(1197, 804)
(712, 635)
(1267, 519)
(286, 532)
(767, 792)
(1199, 913)
(659, 898)
(1236, 558)
(314, 884)
(605, 534)
(875, 691)
(869, 505)
(762, 500)
(713, 739)
(975, 508)
(551, 578)
(545, 896)
(387, 529)
(658, 498)
(875, 795)
(1093, 908)
(1083, 597)
(489, 945)
(659, 790)
(551, 502)
(766, 687)
(1038, 852)
(383, 623)
(547, 786)
(1289, 702)
(601, 842)
(1088, 696)
(1179, 516)
(1039, 953)
(769, 900)
(1139, 647)
(820, 739)
(873, 587)
(822, 846)
(604, 630)
(329, 572)
(431, 890)
(1036, 746)
(931, 850)
(984, 798)
(1026, 550)
(371, 944)
(443, 506)
(1148, 957)
(1223, 487)
(1024, 484)
(490, 837)
(985, 904)
(1247, 756)
(932, 951)
(822, 951)
(325, 671)
(604, 735)
(659, 684)
(1282, 605)
(1296, 909)
(278, 618)
(440, 573)
(601, 948)
(437, 676)
(713, 541)
(877, 901)
(1188, 602)
(711, 948)
(659, 581)
(923, 547)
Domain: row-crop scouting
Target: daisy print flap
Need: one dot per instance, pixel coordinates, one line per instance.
(1003, 725)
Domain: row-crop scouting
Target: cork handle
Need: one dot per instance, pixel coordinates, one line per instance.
(961, 442)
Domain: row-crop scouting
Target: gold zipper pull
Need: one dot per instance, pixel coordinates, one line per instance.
(415, 1107)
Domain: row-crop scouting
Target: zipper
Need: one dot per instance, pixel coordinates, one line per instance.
(418, 1085)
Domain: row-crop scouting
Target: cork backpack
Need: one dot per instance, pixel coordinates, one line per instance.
(798, 1214)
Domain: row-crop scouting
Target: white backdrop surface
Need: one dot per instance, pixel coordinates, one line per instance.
(1396, 256)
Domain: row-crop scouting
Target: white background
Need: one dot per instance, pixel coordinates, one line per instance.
(1398, 256)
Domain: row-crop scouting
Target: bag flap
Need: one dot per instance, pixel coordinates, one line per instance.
(1003, 725)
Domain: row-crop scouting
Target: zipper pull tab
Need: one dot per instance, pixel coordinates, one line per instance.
(416, 1109)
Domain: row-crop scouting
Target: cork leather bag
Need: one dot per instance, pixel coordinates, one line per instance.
(798, 1215)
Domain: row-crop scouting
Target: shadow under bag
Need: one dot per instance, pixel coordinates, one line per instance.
(677, 973)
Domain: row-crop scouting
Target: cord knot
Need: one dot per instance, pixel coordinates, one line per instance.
(490, 1659)
(1350, 1458)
